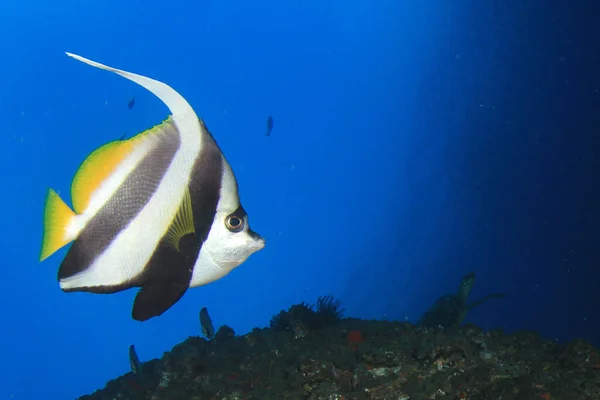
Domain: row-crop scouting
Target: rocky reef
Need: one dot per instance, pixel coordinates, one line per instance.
(312, 354)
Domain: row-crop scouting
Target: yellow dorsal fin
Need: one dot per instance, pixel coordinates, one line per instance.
(103, 161)
(95, 169)
(57, 216)
(183, 223)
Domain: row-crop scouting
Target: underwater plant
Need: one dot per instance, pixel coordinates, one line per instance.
(326, 312)
(285, 320)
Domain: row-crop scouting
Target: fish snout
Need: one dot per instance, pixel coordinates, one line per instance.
(258, 242)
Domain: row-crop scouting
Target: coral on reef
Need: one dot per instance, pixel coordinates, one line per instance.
(304, 317)
(450, 310)
(353, 359)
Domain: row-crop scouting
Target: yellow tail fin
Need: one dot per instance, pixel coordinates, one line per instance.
(57, 216)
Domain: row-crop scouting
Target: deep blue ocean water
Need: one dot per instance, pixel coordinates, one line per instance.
(413, 142)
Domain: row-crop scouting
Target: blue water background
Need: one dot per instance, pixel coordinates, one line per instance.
(412, 142)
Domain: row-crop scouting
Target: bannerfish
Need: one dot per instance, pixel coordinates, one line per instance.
(208, 329)
(134, 361)
(159, 211)
(269, 125)
(131, 103)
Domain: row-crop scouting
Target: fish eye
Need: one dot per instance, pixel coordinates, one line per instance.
(234, 224)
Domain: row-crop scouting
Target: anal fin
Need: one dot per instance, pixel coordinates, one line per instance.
(153, 299)
(167, 278)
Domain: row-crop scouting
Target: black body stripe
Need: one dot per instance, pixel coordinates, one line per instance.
(169, 272)
(205, 186)
(167, 264)
(123, 206)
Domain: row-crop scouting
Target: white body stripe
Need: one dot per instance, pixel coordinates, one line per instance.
(132, 248)
(206, 270)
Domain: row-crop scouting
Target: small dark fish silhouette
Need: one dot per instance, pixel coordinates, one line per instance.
(208, 329)
(134, 361)
(131, 103)
(269, 125)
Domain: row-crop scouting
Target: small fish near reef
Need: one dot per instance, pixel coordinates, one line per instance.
(159, 211)
(131, 103)
(208, 329)
(269, 125)
(134, 360)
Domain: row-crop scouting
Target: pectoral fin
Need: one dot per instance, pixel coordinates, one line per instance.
(183, 224)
